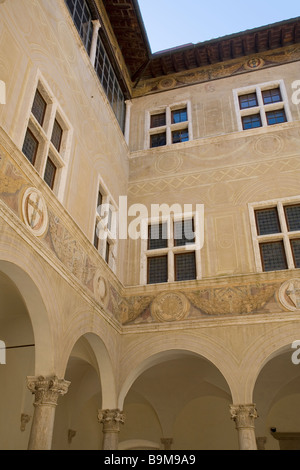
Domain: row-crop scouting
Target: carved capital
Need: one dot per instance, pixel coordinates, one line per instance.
(47, 389)
(111, 420)
(243, 415)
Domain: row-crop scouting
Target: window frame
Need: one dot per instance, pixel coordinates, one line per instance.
(171, 250)
(169, 126)
(43, 134)
(285, 235)
(262, 109)
(111, 239)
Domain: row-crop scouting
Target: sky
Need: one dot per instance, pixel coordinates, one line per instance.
(173, 23)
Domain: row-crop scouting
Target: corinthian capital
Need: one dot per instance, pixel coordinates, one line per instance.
(47, 389)
(111, 420)
(243, 415)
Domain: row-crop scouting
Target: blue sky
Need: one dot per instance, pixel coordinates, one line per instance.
(172, 23)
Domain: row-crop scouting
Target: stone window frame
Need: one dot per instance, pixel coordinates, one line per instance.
(285, 236)
(171, 250)
(261, 108)
(168, 128)
(43, 135)
(111, 240)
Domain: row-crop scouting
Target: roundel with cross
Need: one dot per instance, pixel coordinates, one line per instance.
(34, 211)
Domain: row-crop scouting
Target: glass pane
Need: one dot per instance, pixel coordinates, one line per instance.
(30, 146)
(267, 221)
(179, 115)
(250, 122)
(272, 96)
(50, 171)
(56, 135)
(180, 136)
(296, 252)
(293, 217)
(248, 101)
(157, 236)
(184, 232)
(96, 239)
(185, 267)
(157, 270)
(158, 120)
(158, 140)
(39, 107)
(273, 256)
(276, 117)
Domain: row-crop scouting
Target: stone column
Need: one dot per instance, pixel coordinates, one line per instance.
(96, 27)
(111, 420)
(46, 391)
(127, 121)
(167, 443)
(244, 416)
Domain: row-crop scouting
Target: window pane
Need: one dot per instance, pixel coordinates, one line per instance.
(248, 101)
(30, 146)
(157, 140)
(99, 200)
(179, 115)
(272, 96)
(180, 136)
(96, 239)
(267, 221)
(276, 117)
(107, 252)
(185, 267)
(296, 252)
(273, 256)
(184, 232)
(39, 107)
(50, 171)
(157, 236)
(250, 122)
(157, 270)
(158, 120)
(293, 217)
(82, 18)
(56, 135)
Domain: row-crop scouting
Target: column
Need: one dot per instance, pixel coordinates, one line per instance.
(127, 121)
(96, 27)
(46, 391)
(167, 443)
(111, 420)
(244, 416)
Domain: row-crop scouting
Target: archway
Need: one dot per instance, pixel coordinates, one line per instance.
(277, 397)
(180, 399)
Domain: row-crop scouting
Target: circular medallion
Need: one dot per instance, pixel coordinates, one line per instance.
(170, 307)
(100, 287)
(34, 211)
(254, 63)
(289, 294)
(168, 164)
(268, 145)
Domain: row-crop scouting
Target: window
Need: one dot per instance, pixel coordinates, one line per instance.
(276, 234)
(169, 126)
(46, 140)
(262, 105)
(105, 230)
(170, 252)
(82, 19)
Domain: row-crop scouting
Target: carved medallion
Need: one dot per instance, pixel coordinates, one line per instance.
(254, 63)
(289, 294)
(170, 307)
(100, 287)
(34, 211)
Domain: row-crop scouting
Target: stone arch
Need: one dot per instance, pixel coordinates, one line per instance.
(279, 338)
(30, 281)
(140, 359)
(104, 364)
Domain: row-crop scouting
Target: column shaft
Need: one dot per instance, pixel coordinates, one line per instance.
(244, 416)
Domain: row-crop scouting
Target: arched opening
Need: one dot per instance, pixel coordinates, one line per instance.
(19, 361)
(76, 424)
(183, 397)
(277, 398)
